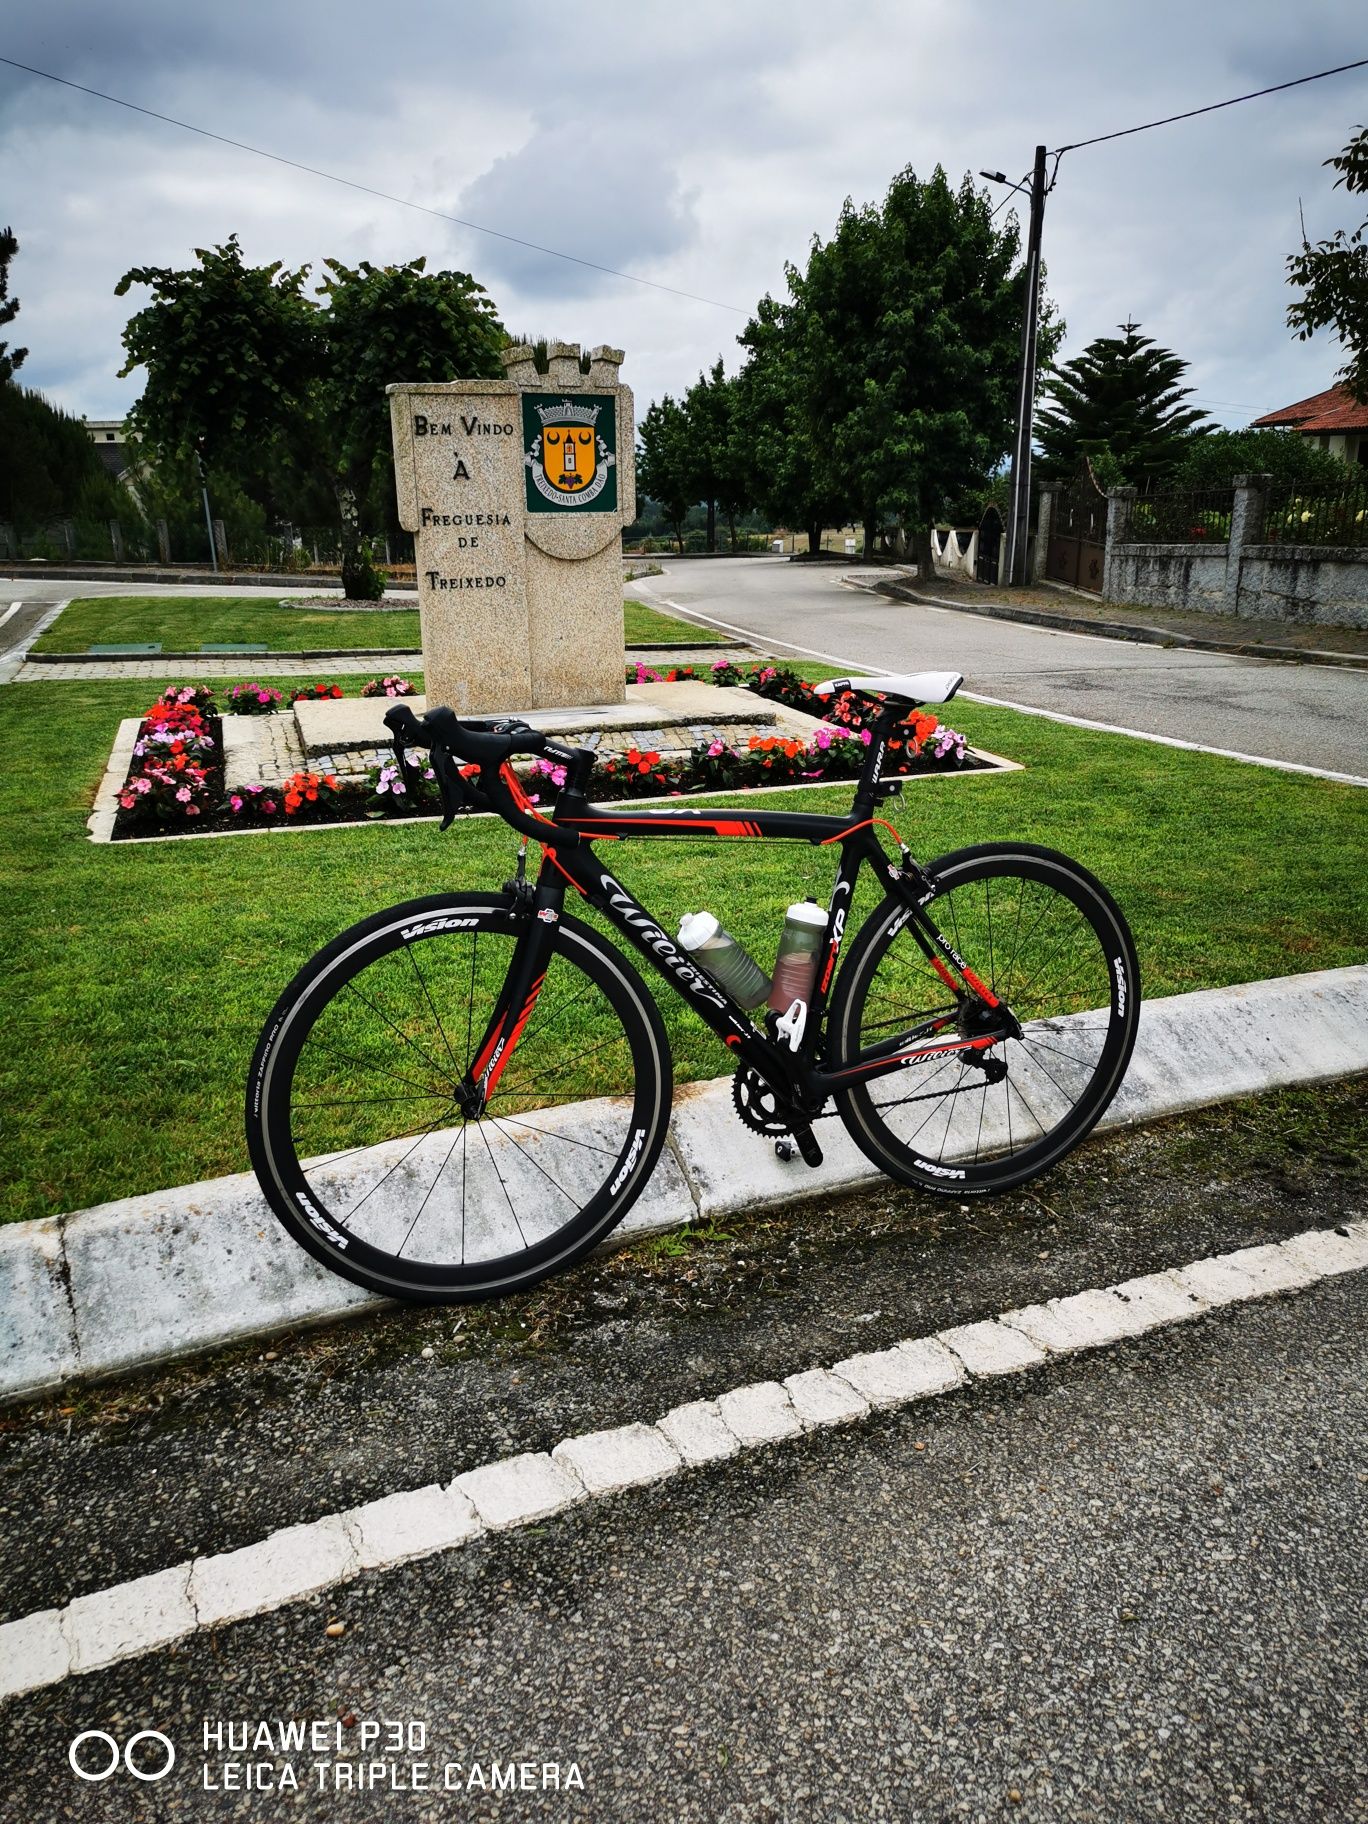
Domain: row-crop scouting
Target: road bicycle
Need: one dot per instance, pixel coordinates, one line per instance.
(466, 1092)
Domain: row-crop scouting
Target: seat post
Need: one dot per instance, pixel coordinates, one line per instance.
(881, 725)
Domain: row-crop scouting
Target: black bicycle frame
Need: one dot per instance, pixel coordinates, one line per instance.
(794, 1075)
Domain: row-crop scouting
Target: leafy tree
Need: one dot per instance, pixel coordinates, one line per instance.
(1213, 459)
(261, 382)
(10, 359)
(896, 354)
(718, 457)
(230, 352)
(1120, 395)
(1333, 276)
(383, 324)
(666, 468)
(777, 433)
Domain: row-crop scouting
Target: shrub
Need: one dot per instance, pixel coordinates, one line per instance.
(389, 687)
(253, 700)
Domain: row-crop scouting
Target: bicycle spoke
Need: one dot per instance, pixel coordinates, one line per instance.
(411, 952)
(503, 1187)
(399, 1253)
(353, 989)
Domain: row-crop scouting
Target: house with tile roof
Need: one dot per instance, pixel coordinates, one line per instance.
(1334, 419)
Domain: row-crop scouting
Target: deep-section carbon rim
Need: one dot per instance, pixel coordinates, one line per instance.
(357, 1132)
(1049, 941)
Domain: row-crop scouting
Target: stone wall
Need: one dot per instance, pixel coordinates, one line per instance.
(1311, 585)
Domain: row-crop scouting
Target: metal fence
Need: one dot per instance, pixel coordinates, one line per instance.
(1296, 516)
(292, 550)
(1191, 516)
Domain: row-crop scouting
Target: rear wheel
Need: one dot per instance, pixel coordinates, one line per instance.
(359, 1134)
(1048, 940)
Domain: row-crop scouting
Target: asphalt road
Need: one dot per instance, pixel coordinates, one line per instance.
(1130, 1586)
(1313, 715)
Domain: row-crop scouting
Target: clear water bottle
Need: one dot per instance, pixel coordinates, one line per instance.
(795, 967)
(723, 958)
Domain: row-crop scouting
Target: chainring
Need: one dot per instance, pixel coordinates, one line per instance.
(757, 1104)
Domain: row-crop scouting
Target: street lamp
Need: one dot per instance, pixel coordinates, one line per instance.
(1019, 518)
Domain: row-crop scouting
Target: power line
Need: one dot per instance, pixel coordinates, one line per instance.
(367, 190)
(1211, 108)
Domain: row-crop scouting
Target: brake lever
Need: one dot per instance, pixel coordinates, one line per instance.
(450, 785)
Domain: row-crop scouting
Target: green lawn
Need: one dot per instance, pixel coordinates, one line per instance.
(645, 625)
(185, 623)
(137, 976)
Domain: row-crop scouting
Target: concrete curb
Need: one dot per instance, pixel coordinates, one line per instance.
(153, 1278)
(262, 661)
(127, 1620)
(1114, 630)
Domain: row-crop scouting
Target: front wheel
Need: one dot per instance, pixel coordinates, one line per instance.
(1049, 942)
(376, 1159)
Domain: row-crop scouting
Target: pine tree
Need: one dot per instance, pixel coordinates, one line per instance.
(9, 307)
(1121, 396)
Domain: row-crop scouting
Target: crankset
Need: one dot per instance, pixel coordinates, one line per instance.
(758, 1105)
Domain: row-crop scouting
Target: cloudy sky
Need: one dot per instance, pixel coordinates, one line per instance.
(700, 148)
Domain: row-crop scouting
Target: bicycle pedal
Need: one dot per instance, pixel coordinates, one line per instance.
(806, 1142)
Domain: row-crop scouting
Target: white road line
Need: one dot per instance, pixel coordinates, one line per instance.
(1140, 734)
(152, 1611)
(811, 652)
(10, 612)
(1050, 715)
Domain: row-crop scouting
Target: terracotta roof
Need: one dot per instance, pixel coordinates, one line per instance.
(1336, 409)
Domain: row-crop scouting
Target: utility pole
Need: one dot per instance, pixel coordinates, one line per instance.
(1019, 519)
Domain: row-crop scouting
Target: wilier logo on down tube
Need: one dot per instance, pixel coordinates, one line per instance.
(570, 452)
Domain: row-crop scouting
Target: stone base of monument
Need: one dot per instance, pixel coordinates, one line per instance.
(669, 719)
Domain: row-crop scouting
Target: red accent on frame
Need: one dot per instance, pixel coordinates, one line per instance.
(868, 824)
(514, 1036)
(710, 826)
(944, 974)
(931, 1051)
(979, 988)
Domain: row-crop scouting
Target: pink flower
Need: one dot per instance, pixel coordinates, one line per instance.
(183, 795)
(268, 805)
(823, 738)
(235, 802)
(714, 749)
(865, 736)
(127, 800)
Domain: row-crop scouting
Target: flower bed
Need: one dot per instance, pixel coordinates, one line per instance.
(177, 770)
(176, 781)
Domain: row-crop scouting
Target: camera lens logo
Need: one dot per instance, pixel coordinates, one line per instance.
(88, 1763)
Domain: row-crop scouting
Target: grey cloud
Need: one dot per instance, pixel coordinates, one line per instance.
(581, 186)
(701, 151)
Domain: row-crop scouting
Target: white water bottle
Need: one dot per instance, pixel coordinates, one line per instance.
(723, 958)
(795, 967)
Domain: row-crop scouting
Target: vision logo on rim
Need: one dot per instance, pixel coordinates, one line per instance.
(570, 452)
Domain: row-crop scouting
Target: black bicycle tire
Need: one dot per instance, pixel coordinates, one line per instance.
(855, 1107)
(271, 1150)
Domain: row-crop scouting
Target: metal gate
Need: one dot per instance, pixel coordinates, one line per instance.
(1077, 553)
(989, 546)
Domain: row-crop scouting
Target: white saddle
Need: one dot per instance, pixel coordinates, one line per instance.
(909, 687)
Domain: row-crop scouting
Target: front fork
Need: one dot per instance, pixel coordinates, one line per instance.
(537, 909)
